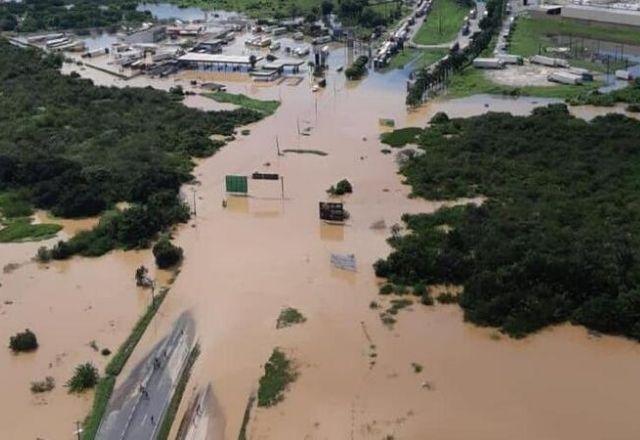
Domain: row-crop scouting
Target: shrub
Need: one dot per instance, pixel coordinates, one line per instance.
(341, 188)
(43, 255)
(439, 118)
(176, 90)
(358, 68)
(426, 299)
(166, 254)
(43, 386)
(288, 317)
(401, 137)
(447, 298)
(105, 352)
(387, 289)
(85, 377)
(278, 373)
(25, 341)
(419, 289)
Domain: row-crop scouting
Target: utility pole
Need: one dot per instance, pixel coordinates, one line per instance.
(195, 212)
(278, 147)
(78, 430)
(282, 187)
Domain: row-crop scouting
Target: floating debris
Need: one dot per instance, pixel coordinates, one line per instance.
(344, 262)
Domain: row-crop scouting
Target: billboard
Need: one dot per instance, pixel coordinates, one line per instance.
(236, 184)
(333, 212)
(265, 176)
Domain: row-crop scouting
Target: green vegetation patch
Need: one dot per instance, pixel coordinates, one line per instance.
(532, 36)
(341, 188)
(166, 253)
(103, 392)
(428, 79)
(16, 221)
(358, 68)
(84, 377)
(267, 108)
(359, 15)
(43, 386)
(278, 374)
(77, 150)
(105, 385)
(558, 238)
(23, 341)
(22, 229)
(34, 15)
(472, 81)
(416, 58)
(629, 95)
(289, 317)
(401, 137)
(443, 22)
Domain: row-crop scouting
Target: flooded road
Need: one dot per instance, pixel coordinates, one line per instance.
(261, 253)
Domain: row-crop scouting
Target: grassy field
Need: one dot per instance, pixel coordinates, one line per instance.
(530, 32)
(401, 137)
(21, 229)
(473, 82)
(443, 23)
(418, 57)
(533, 35)
(267, 108)
(17, 224)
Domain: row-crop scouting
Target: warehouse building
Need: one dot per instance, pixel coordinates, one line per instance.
(602, 15)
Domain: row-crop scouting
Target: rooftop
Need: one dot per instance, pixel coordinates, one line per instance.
(217, 58)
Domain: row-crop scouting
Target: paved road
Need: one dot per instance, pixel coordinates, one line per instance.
(139, 403)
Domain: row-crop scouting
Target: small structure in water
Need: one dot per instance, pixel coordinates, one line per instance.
(332, 212)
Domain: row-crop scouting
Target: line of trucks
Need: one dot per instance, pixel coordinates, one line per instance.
(396, 40)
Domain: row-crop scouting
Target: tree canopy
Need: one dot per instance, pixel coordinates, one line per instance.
(34, 15)
(557, 237)
(77, 149)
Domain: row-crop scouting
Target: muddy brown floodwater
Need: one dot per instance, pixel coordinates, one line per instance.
(246, 262)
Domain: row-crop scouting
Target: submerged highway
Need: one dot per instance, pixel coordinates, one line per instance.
(138, 405)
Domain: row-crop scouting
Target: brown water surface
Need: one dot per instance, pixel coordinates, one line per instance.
(247, 261)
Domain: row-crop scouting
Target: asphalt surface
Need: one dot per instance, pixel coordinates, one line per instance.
(138, 405)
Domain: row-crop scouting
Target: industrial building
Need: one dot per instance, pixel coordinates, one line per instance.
(219, 62)
(615, 16)
(149, 35)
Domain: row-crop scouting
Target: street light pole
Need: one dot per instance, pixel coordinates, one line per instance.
(195, 212)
